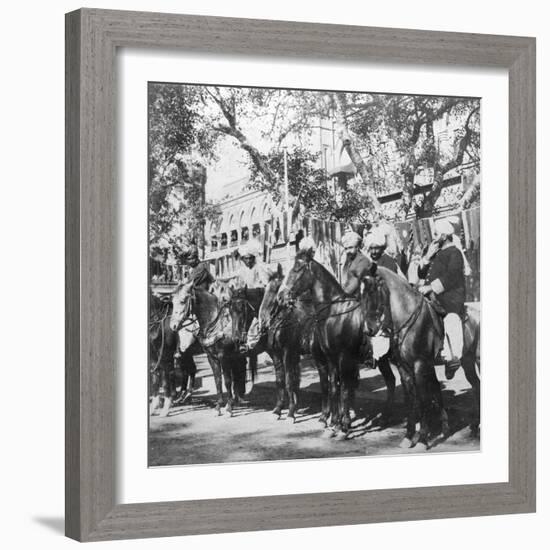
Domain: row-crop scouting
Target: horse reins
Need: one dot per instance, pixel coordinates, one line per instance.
(411, 320)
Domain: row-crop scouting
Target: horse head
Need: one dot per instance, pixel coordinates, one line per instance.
(270, 303)
(182, 305)
(242, 312)
(299, 279)
(374, 296)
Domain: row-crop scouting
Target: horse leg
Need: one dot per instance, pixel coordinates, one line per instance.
(253, 367)
(469, 365)
(227, 369)
(155, 395)
(348, 379)
(334, 383)
(239, 378)
(429, 398)
(188, 371)
(168, 386)
(292, 382)
(323, 382)
(215, 364)
(279, 383)
(389, 378)
(409, 393)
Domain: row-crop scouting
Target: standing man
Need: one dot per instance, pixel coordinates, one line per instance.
(442, 267)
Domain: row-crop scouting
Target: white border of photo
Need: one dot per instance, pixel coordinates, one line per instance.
(138, 483)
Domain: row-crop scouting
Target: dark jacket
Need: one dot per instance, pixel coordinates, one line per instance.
(388, 262)
(354, 272)
(201, 276)
(447, 267)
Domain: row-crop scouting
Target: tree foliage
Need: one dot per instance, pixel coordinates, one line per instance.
(390, 139)
(179, 143)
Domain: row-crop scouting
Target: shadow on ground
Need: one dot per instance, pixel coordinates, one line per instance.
(195, 434)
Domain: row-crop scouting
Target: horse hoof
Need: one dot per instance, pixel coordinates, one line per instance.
(328, 433)
(166, 407)
(155, 403)
(291, 419)
(340, 436)
(406, 443)
(421, 447)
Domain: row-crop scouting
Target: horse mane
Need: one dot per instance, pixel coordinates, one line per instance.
(396, 281)
(330, 278)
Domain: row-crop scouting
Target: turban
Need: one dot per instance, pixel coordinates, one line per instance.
(244, 250)
(250, 249)
(191, 251)
(444, 227)
(351, 239)
(376, 238)
(307, 243)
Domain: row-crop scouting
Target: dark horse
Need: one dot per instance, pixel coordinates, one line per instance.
(421, 329)
(338, 330)
(164, 356)
(416, 340)
(216, 338)
(286, 333)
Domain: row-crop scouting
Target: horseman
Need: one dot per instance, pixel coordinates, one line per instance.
(356, 266)
(375, 245)
(199, 274)
(252, 273)
(251, 278)
(442, 267)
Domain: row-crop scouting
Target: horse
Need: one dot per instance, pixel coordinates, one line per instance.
(415, 342)
(286, 333)
(216, 338)
(339, 331)
(165, 347)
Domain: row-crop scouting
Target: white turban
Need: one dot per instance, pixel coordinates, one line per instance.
(376, 238)
(444, 227)
(244, 250)
(252, 248)
(307, 243)
(351, 239)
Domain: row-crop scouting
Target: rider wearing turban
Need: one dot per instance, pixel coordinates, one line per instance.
(356, 265)
(442, 267)
(199, 273)
(375, 245)
(252, 272)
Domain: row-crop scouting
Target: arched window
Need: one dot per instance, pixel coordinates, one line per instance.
(265, 212)
(253, 214)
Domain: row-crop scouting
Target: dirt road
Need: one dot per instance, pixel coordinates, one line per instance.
(194, 434)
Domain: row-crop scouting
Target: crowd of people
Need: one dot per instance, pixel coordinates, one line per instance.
(439, 275)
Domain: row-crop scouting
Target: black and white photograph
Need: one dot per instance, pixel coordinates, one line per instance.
(314, 274)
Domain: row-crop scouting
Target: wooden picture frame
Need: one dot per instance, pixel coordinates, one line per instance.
(92, 39)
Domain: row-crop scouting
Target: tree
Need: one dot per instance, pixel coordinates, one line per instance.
(178, 143)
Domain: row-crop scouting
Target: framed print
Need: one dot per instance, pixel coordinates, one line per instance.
(292, 251)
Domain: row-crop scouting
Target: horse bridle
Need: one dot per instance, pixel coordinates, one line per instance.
(293, 296)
